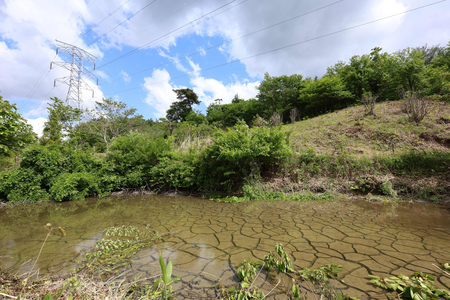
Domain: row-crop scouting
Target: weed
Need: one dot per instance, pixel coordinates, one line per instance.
(163, 285)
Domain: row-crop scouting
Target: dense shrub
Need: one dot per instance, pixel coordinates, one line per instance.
(73, 186)
(240, 152)
(131, 157)
(22, 185)
(174, 170)
(45, 161)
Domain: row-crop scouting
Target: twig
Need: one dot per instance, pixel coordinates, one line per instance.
(42, 247)
(215, 276)
(446, 273)
(248, 290)
(13, 297)
(279, 280)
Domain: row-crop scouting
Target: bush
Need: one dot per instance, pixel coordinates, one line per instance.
(175, 170)
(22, 185)
(46, 162)
(240, 152)
(369, 101)
(387, 188)
(416, 106)
(74, 186)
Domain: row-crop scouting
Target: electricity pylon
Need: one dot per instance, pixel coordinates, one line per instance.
(75, 80)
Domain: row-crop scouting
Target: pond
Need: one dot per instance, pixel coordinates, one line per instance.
(364, 237)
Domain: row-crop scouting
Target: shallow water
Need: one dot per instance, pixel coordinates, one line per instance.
(364, 237)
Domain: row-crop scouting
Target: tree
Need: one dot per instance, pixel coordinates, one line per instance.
(410, 69)
(323, 95)
(15, 133)
(179, 110)
(110, 119)
(280, 93)
(61, 121)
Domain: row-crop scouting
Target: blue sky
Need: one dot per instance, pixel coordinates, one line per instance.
(161, 33)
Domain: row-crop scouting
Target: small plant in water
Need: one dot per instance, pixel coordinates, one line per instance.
(165, 282)
(419, 286)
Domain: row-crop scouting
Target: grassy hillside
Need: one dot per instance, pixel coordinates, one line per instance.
(388, 131)
(384, 154)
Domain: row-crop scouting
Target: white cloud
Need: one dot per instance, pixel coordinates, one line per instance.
(195, 67)
(38, 125)
(32, 27)
(101, 74)
(159, 92)
(176, 61)
(209, 89)
(125, 76)
(201, 50)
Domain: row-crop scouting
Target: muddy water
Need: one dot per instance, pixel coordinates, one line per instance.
(364, 237)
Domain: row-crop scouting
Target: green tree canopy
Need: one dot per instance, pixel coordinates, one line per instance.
(61, 121)
(179, 110)
(110, 119)
(15, 133)
(280, 93)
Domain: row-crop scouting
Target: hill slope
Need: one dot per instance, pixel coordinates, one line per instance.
(349, 152)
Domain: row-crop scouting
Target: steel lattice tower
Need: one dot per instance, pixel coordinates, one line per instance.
(75, 80)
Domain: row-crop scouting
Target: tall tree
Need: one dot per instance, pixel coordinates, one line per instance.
(61, 121)
(410, 69)
(110, 119)
(15, 133)
(280, 93)
(179, 110)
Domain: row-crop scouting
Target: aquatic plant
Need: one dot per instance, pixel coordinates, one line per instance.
(419, 286)
(164, 283)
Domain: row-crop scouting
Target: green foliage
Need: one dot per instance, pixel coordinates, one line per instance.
(15, 133)
(115, 249)
(240, 152)
(387, 189)
(174, 170)
(418, 286)
(179, 110)
(60, 123)
(247, 272)
(305, 282)
(324, 95)
(22, 185)
(280, 93)
(46, 162)
(136, 151)
(74, 186)
(166, 280)
(110, 119)
(255, 190)
(228, 115)
(280, 260)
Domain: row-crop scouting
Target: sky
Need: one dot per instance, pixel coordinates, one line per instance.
(219, 48)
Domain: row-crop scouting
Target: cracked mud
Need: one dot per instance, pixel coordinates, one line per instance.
(382, 239)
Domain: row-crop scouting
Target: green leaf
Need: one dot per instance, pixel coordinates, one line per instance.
(163, 267)
(155, 285)
(295, 290)
(168, 271)
(48, 297)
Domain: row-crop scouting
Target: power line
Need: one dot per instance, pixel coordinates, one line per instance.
(229, 41)
(75, 80)
(153, 25)
(123, 21)
(143, 46)
(287, 46)
(101, 20)
(45, 74)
